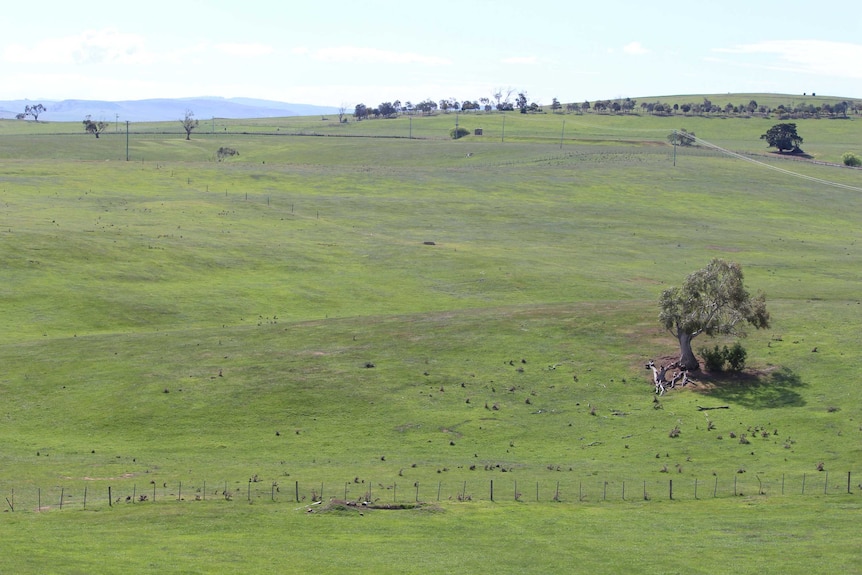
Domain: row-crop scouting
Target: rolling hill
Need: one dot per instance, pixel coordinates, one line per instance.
(162, 109)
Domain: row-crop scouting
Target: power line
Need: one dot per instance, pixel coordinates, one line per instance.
(771, 167)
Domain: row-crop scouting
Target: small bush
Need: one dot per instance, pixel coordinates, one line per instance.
(735, 357)
(225, 152)
(458, 132)
(851, 159)
(713, 359)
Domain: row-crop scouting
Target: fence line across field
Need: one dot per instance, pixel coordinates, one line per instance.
(94, 495)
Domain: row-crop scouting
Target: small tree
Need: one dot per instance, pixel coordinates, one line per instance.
(713, 301)
(34, 111)
(94, 128)
(681, 138)
(189, 123)
(360, 111)
(783, 137)
(521, 102)
(225, 152)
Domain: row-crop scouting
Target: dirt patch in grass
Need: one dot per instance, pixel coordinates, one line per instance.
(343, 506)
(723, 249)
(123, 476)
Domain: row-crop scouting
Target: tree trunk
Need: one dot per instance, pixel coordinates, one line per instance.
(686, 357)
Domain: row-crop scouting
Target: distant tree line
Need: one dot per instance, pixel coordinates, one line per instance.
(507, 100)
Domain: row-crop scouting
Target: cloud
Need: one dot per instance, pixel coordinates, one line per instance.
(635, 48)
(355, 54)
(820, 57)
(251, 50)
(520, 60)
(89, 47)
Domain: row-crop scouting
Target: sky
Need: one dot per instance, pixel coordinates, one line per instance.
(343, 53)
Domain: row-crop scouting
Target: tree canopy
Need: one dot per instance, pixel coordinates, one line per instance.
(189, 123)
(714, 301)
(94, 128)
(783, 137)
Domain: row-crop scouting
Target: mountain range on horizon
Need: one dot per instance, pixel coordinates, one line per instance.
(161, 109)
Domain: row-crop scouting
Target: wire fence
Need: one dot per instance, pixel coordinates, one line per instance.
(100, 495)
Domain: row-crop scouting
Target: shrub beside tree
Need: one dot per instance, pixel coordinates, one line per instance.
(851, 159)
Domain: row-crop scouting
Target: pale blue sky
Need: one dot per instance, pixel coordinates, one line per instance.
(335, 52)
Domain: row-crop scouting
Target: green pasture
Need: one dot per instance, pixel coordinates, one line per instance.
(421, 319)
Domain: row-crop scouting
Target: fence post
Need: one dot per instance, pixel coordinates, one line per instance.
(624, 490)
(826, 484)
(695, 487)
(848, 482)
(439, 486)
(715, 489)
(62, 491)
(605, 491)
(492, 490)
(296, 488)
(110, 499)
(670, 488)
(85, 496)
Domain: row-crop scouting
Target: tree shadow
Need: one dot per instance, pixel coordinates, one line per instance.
(758, 390)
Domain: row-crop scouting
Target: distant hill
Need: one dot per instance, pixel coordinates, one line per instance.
(162, 109)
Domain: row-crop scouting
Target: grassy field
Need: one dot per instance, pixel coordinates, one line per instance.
(420, 319)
